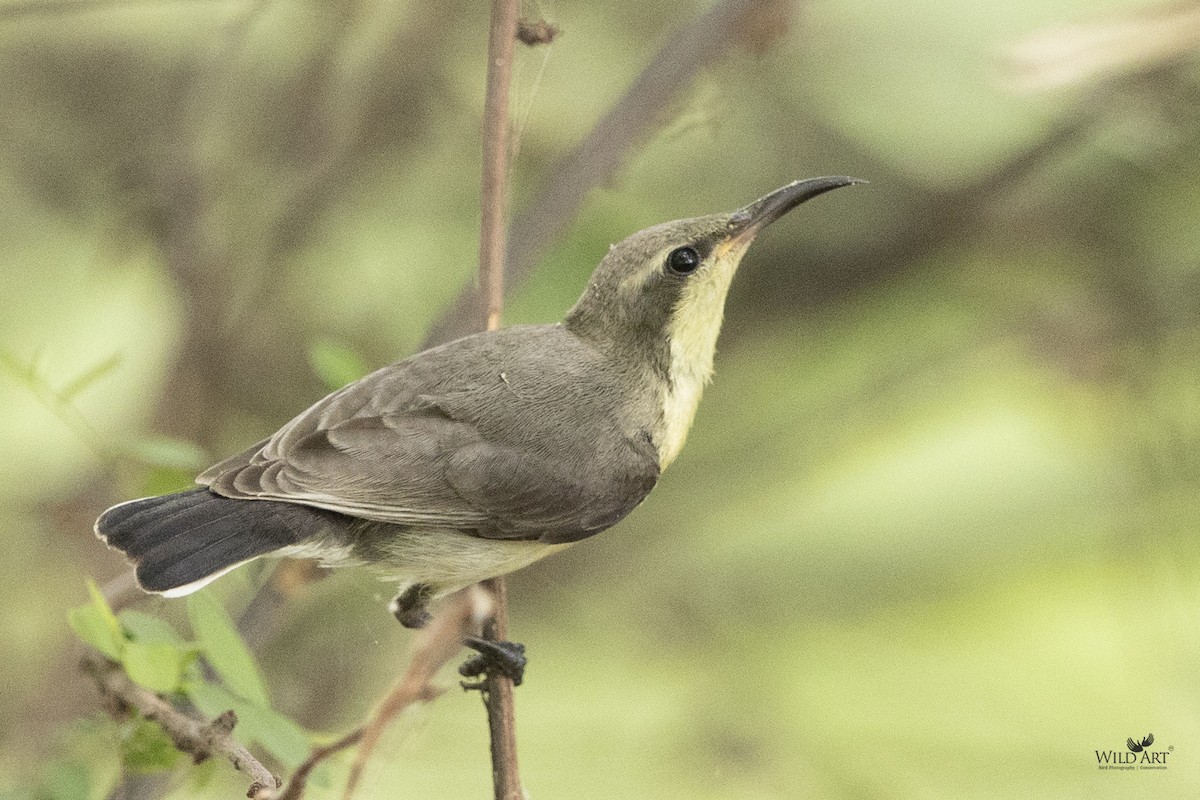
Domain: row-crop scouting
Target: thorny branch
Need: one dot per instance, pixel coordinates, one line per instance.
(434, 646)
(462, 615)
(197, 738)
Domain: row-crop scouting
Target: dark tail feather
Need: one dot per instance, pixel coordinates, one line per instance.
(181, 541)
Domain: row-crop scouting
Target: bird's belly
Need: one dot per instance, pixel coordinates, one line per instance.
(448, 559)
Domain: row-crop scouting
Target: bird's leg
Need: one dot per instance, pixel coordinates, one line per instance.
(411, 606)
(506, 658)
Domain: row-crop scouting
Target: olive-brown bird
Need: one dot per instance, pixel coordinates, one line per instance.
(478, 457)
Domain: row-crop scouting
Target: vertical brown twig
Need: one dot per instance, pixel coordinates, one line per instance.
(498, 689)
(493, 191)
(498, 697)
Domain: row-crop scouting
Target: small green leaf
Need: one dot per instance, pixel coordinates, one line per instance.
(156, 665)
(102, 605)
(92, 627)
(214, 700)
(145, 748)
(163, 451)
(224, 648)
(335, 364)
(89, 377)
(97, 625)
(148, 628)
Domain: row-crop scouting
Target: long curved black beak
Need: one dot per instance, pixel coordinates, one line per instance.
(746, 222)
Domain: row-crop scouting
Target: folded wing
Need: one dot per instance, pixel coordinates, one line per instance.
(411, 445)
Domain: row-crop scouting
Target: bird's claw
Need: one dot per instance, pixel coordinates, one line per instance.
(504, 658)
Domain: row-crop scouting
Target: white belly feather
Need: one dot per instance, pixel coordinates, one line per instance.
(445, 559)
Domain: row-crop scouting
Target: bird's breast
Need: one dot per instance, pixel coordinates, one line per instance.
(680, 399)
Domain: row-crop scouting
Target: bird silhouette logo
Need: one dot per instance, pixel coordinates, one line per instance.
(1136, 746)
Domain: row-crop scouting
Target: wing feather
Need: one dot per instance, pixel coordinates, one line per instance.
(515, 439)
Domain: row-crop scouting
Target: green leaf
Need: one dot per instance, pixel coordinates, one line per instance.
(91, 626)
(214, 700)
(156, 665)
(149, 628)
(145, 748)
(102, 605)
(89, 377)
(335, 364)
(97, 625)
(164, 451)
(257, 724)
(224, 648)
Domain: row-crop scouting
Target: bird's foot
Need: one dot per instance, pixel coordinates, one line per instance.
(411, 607)
(503, 658)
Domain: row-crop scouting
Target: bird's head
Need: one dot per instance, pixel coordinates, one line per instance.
(664, 288)
(656, 301)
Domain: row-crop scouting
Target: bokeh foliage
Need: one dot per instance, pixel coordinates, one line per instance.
(934, 532)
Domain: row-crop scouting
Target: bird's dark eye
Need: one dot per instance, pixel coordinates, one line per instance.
(683, 260)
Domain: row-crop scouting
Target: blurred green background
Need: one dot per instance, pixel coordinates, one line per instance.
(934, 534)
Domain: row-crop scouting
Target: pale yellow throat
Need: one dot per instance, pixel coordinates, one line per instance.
(694, 327)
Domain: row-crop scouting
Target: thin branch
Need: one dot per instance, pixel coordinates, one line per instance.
(299, 780)
(498, 689)
(198, 738)
(498, 699)
(493, 193)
